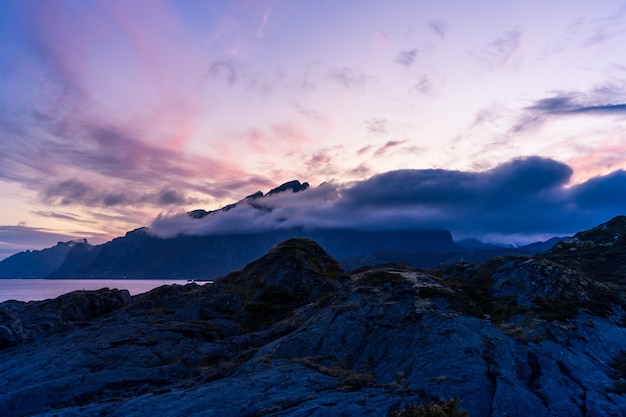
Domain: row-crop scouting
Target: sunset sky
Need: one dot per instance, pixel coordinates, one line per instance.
(114, 113)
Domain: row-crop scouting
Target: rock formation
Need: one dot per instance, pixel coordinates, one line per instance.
(292, 334)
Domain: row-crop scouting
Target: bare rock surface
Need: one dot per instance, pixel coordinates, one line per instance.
(292, 334)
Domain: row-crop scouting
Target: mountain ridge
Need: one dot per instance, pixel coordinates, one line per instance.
(140, 254)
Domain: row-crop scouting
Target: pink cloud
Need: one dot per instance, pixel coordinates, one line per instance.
(125, 63)
(122, 93)
(389, 145)
(603, 160)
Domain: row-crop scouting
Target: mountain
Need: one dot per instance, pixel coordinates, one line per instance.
(141, 254)
(293, 334)
(40, 263)
(467, 251)
(293, 186)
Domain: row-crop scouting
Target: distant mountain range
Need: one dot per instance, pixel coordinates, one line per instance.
(140, 254)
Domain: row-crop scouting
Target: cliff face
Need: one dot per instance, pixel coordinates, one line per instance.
(292, 334)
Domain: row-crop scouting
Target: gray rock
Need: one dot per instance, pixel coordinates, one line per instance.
(292, 335)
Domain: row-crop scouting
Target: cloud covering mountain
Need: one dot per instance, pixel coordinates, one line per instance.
(519, 201)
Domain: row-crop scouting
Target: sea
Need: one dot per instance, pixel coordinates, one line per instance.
(43, 289)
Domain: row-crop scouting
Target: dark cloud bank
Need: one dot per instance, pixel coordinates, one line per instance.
(515, 202)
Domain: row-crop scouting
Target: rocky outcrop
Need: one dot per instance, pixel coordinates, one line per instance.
(293, 186)
(292, 334)
(600, 253)
(20, 322)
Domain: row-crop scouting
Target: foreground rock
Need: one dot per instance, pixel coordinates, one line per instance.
(292, 335)
(21, 322)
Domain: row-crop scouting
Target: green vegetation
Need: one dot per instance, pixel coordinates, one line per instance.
(472, 294)
(599, 300)
(598, 253)
(569, 292)
(440, 408)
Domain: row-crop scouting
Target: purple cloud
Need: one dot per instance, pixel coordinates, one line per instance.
(407, 58)
(349, 77)
(439, 27)
(389, 145)
(513, 202)
(224, 70)
(376, 126)
(572, 104)
(424, 86)
(74, 192)
(498, 52)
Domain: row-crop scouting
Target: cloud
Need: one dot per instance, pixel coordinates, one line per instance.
(505, 185)
(365, 149)
(75, 192)
(63, 216)
(407, 58)
(234, 73)
(499, 51)
(348, 77)
(439, 27)
(517, 200)
(261, 29)
(72, 191)
(108, 123)
(391, 144)
(593, 32)
(601, 102)
(571, 104)
(224, 70)
(377, 126)
(424, 86)
(168, 197)
(589, 34)
(311, 114)
(87, 165)
(320, 159)
(600, 193)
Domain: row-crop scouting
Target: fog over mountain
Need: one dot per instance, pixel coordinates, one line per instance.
(523, 200)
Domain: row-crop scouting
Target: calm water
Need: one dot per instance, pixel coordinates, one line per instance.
(41, 289)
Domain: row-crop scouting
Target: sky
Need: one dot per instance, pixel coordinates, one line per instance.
(504, 121)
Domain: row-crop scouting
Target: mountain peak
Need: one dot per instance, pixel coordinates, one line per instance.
(295, 186)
